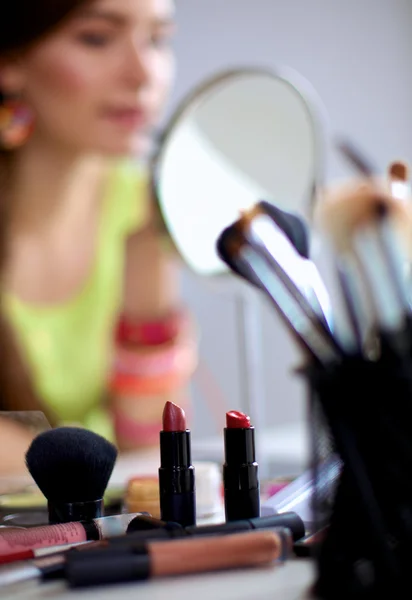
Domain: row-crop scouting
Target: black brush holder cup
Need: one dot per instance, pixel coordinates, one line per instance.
(361, 412)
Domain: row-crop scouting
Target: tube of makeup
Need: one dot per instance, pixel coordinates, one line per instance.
(18, 540)
(178, 557)
(169, 530)
(240, 471)
(142, 523)
(176, 472)
(53, 566)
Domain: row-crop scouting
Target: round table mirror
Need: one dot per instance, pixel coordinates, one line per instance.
(240, 137)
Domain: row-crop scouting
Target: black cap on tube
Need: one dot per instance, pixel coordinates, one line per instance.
(106, 567)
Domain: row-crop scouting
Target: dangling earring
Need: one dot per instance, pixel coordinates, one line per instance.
(16, 123)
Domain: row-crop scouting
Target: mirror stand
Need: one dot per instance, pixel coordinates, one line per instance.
(252, 370)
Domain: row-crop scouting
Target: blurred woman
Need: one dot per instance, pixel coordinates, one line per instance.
(92, 329)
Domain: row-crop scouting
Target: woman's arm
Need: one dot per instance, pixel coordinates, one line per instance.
(14, 442)
(155, 373)
(152, 276)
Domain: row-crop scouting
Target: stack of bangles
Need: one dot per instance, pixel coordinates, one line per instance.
(153, 362)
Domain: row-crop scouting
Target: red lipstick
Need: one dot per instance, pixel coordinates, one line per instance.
(240, 471)
(237, 420)
(176, 472)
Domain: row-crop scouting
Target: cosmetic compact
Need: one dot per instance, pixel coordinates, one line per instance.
(142, 495)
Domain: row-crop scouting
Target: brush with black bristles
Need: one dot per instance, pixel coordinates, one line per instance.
(292, 225)
(72, 467)
(245, 258)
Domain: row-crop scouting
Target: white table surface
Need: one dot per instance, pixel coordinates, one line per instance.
(289, 581)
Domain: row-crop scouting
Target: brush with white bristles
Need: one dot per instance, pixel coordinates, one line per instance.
(399, 180)
(371, 234)
(280, 274)
(351, 205)
(368, 404)
(347, 206)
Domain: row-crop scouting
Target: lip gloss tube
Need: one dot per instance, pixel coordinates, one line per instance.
(240, 471)
(19, 540)
(177, 557)
(176, 472)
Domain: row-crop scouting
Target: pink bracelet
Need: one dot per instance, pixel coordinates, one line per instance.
(155, 362)
(133, 431)
(150, 333)
(126, 385)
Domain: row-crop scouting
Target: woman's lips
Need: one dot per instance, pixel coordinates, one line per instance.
(131, 118)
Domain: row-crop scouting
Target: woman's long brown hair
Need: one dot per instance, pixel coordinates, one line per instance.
(22, 24)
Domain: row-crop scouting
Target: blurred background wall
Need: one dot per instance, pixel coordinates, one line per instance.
(356, 54)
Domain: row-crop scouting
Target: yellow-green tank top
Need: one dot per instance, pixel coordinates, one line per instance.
(68, 346)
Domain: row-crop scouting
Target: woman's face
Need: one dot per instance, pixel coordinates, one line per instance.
(99, 82)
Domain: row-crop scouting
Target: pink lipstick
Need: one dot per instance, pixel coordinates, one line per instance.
(174, 418)
(176, 472)
(240, 471)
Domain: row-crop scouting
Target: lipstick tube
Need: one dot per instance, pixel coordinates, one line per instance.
(240, 470)
(176, 472)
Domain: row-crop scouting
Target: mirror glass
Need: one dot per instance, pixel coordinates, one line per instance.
(244, 136)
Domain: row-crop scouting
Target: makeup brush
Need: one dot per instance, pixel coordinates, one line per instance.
(267, 225)
(399, 180)
(371, 230)
(243, 261)
(358, 160)
(72, 467)
(308, 332)
(377, 192)
(291, 224)
(227, 246)
(353, 207)
(298, 274)
(398, 175)
(243, 257)
(296, 230)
